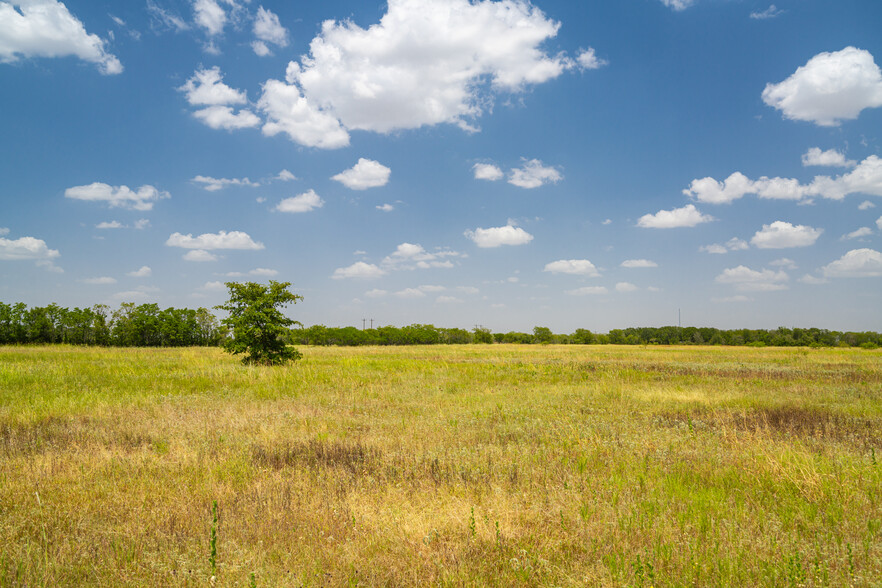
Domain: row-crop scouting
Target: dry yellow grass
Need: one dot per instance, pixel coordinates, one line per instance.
(472, 465)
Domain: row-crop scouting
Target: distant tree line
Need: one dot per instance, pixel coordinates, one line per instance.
(429, 334)
(144, 325)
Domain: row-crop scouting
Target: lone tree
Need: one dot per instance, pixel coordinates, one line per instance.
(257, 325)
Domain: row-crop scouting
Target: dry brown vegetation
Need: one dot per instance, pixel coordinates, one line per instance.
(466, 465)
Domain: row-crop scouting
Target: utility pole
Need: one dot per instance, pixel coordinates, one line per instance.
(372, 324)
(362, 324)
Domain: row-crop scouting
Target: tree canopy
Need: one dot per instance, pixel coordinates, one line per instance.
(257, 325)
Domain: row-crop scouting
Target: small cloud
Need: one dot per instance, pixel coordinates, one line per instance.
(498, 236)
(263, 272)
(110, 225)
(587, 291)
(487, 171)
(359, 269)
(813, 280)
(212, 241)
(784, 263)
(117, 196)
(215, 286)
(534, 174)
(306, 202)
(285, 176)
(579, 267)
(626, 287)
(829, 158)
(99, 281)
(866, 205)
(375, 293)
(678, 5)
(747, 280)
(410, 293)
(214, 184)
(770, 12)
(688, 216)
(448, 300)
(857, 234)
(782, 235)
(199, 255)
(857, 263)
(607, 222)
(365, 174)
(143, 272)
(385, 207)
(141, 224)
(587, 59)
(637, 263)
(737, 298)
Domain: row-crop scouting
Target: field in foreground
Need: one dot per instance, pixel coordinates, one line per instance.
(478, 465)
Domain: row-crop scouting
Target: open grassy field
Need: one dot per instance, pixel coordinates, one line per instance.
(466, 465)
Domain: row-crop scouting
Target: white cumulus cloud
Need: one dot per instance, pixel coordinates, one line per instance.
(579, 267)
(223, 117)
(487, 171)
(678, 5)
(25, 248)
(424, 63)
(306, 202)
(365, 174)
(587, 59)
(866, 205)
(830, 88)
(143, 272)
(268, 29)
(626, 287)
(117, 196)
(99, 281)
(828, 158)
(209, 15)
(199, 255)
(747, 280)
(359, 269)
(688, 216)
(497, 236)
(781, 235)
(46, 28)
(289, 112)
(409, 256)
(533, 174)
(771, 12)
(206, 88)
(857, 263)
(212, 241)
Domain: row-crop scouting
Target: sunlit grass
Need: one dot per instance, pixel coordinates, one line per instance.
(501, 465)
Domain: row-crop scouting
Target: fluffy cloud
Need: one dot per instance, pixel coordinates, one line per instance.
(223, 117)
(626, 287)
(866, 205)
(25, 248)
(424, 63)
(879, 223)
(828, 158)
(781, 235)
(633, 263)
(587, 291)
(770, 12)
(143, 272)
(210, 16)
(365, 174)
(285, 176)
(857, 234)
(385, 207)
(199, 255)
(487, 171)
(117, 196)
(688, 216)
(579, 267)
(587, 59)
(268, 29)
(46, 28)
(110, 225)
(214, 184)
(212, 241)
(261, 271)
(857, 263)
(408, 256)
(784, 262)
(206, 88)
(748, 280)
(306, 202)
(359, 269)
(162, 19)
(497, 236)
(410, 293)
(288, 111)
(830, 88)
(866, 178)
(533, 174)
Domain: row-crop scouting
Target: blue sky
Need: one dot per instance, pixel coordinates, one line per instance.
(574, 165)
